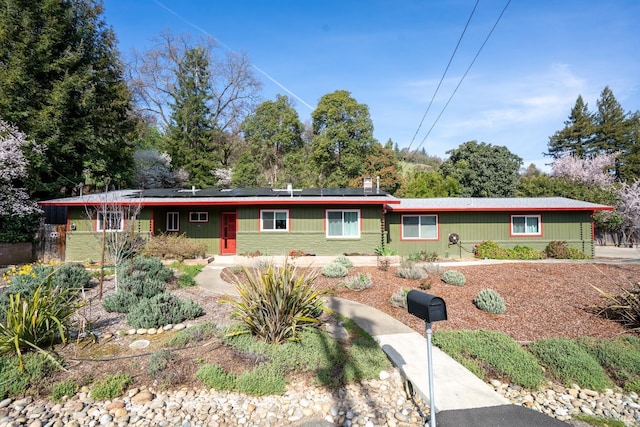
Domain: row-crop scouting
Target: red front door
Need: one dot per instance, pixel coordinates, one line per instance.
(228, 233)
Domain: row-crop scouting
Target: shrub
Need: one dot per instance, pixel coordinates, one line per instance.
(161, 310)
(213, 376)
(186, 281)
(399, 298)
(120, 302)
(197, 333)
(490, 249)
(425, 285)
(490, 301)
(72, 275)
(16, 381)
(110, 386)
(158, 362)
(171, 246)
(37, 320)
(141, 286)
(570, 363)
(383, 263)
(408, 270)
(423, 255)
(335, 270)
(276, 303)
(385, 251)
(453, 277)
(262, 380)
(151, 267)
(623, 308)
(63, 388)
(358, 282)
(620, 357)
(475, 349)
(557, 249)
(344, 261)
(523, 252)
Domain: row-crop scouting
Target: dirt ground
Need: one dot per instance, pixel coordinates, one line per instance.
(543, 300)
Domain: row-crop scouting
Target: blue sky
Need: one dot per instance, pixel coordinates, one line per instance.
(391, 55)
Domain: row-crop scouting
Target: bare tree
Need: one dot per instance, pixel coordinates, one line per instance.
(116, 229)
(153, 76)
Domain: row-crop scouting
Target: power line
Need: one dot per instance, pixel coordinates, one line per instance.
(465, 74)
(261, 71)
(443, 74)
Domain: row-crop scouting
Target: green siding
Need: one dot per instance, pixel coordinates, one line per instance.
(476, 227)
(85, 242)
(306, 232)
(204, 232)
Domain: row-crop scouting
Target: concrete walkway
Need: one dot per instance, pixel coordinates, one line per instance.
(461, 398)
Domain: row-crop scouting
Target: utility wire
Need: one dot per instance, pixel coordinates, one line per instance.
(443, 75)
(261, 71)
(465, 74)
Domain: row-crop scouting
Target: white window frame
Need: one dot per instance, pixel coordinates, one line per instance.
(343, 211)
(199, 216)
(100, 221)
(420, 236)
(173, 218)
(526, 217)
(274, 212)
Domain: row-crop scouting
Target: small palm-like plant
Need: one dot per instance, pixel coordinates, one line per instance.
(37, 320)
(275, 303)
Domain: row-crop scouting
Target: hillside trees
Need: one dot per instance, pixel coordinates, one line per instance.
(275, 148)
(483, 170)
(61, 84)
(342, 138)
(200, 93)
(421, 183)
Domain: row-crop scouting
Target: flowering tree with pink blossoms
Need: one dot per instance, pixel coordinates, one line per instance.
(14, 200)
(594, 171)
(629, 209)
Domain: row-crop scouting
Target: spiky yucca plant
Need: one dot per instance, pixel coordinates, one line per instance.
(275, 303)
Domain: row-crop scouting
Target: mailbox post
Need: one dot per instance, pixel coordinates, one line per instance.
(429, 308)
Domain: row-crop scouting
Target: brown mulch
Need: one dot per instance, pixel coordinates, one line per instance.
(543, 299)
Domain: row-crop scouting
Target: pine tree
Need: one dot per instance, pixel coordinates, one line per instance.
(61, 84)
(613, 131)
(190, 135)
(578, 132)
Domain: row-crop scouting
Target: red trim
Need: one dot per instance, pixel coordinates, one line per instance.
(419, 239)
(326, 221)
(505, 209)
(526, 235)
(195, 203)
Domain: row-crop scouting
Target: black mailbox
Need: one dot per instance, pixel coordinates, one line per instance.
(427, 307)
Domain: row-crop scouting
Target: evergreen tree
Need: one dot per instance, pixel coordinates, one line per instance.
(614, 132)
(61, 84)
(342, 138)
(576, 136)
(421, 184)
(483, 170)
(274, 138)
(190, 137)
